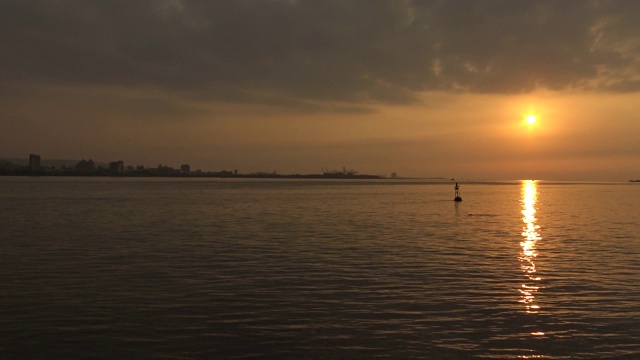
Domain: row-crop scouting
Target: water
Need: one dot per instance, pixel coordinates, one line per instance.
(140, 268)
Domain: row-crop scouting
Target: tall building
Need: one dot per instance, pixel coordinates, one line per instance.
(34, 162)
(185, 169)
(116, 167)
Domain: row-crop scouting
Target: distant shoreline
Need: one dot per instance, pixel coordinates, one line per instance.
(201, 175)
(89, 168)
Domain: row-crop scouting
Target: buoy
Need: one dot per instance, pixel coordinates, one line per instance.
(457, 193)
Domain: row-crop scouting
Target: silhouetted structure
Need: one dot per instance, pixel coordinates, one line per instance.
(34, 162)
(457, 193)
(163, 170)
(338, 173)
(116, 167)
(86, 166)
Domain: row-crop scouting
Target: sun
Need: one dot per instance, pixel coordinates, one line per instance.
(531, 119)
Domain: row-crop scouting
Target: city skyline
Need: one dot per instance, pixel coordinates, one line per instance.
(34, 165)
(421, 88)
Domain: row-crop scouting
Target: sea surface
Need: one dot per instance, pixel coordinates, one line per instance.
(232, 269)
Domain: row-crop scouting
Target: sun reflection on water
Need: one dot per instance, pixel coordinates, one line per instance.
(529, 244)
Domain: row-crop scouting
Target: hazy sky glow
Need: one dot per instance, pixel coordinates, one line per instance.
(422, 88)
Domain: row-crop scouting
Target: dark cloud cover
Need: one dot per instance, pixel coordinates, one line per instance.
(353, 51)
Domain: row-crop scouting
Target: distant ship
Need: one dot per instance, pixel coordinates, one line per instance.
(634, 180)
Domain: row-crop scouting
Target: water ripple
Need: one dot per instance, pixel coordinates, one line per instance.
(184, 269)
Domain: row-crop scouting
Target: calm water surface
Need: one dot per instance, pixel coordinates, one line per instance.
(146, 268)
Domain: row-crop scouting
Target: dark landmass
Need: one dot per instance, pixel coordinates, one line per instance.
(117, 169)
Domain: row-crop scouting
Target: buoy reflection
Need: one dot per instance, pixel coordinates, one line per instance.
(529, 252)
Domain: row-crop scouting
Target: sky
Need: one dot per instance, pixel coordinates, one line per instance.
(420, 88)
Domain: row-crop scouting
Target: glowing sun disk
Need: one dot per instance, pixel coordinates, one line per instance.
(531, 119)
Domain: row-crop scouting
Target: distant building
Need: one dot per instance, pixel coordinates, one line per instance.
(34, 162)
(163, 170)
(116, 167)
(86, 166)
(394, 175)
(185, 169)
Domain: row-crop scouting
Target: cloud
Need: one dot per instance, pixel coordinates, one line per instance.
(366, 51)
